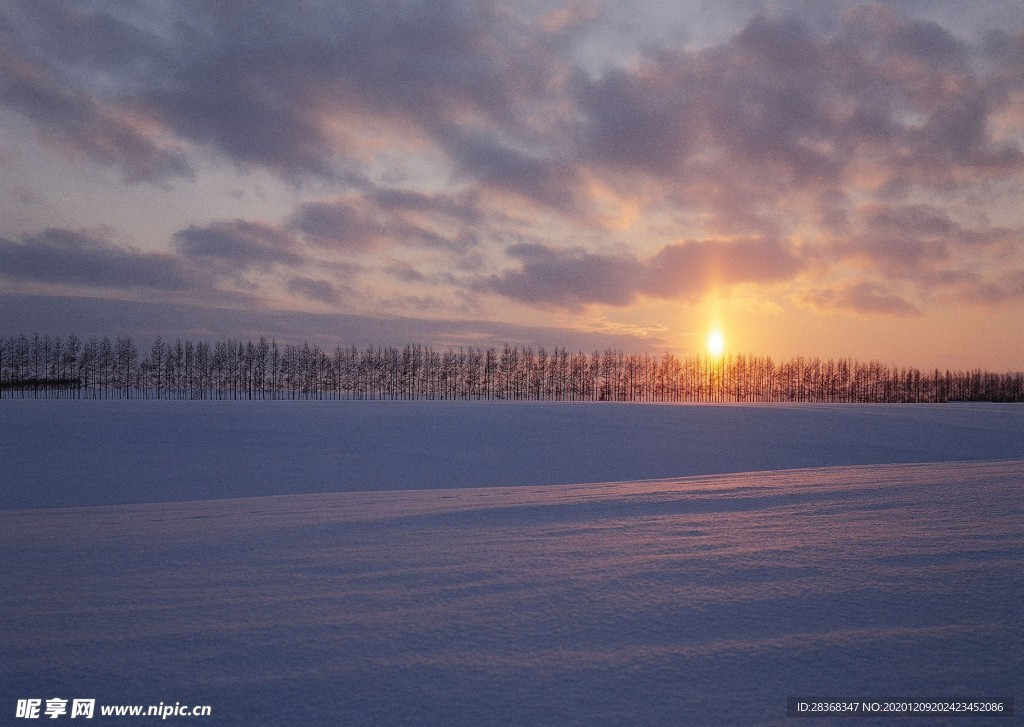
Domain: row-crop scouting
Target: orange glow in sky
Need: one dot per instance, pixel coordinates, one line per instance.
(716, 343)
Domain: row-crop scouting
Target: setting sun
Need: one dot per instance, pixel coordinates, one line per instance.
(716, 343)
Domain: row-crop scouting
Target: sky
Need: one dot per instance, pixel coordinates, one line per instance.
(819, 179)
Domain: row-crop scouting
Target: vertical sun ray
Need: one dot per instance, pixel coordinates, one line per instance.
(716, 343)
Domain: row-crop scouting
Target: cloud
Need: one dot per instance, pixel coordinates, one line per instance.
(209, 264)
(108, 133)
(87, 259)
(754, 105)
(865, 138)
(198, 322)
(314, 289)
(340, 224)
(568, 279)
(116, 132)
(783, 105)
(548, 181)
(278, 85)
(906, 236)
(463, 208)
(405, 273)
(238, 245)
(864, 298)
(924, 247)
(683, 270)
(382, 217)
(689, 269)
(956, 286)
(787, 117)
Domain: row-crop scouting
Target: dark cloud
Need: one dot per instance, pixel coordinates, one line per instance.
(785, 109)
(52, 61)
(639, 121)
(339, 224)
(208, 266)
(689, 269)
(907, 236)
(923, 244)
(754, 106)
(386, 217)
(911, 219)
(548, 181)
(314, 289)
(406, 273)
(864, 298)
(463, 208)
(196, 321)
(238, 245)
(86, 35)
(261, 83)
(567, 278)
(970, 286)
(782, 105)
(685, 270)
(112, 135)
(84, 259)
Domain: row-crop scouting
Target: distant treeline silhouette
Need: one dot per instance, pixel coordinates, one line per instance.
(34, 366)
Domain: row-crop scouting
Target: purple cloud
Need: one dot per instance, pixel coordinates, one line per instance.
(47, 49)
(785, 112)
(864, 298)
(111, 134)
(238, 245)
(568, 279)
(339, 224)
(85, 259)
(314, 289)
(387, 217)
(259, 83)
(685, 270)
(782, 105)
(864, 135)
(689, 269)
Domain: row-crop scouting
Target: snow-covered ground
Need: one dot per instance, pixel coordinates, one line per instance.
(68, 453)
(358, 589)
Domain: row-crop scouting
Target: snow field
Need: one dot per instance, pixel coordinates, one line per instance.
(491, 563)
(699, 600)
(71, 453)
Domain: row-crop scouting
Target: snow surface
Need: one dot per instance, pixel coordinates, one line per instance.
(706, 599)
(68, 453)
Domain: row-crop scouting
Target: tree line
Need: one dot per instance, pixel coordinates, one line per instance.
(34, 366)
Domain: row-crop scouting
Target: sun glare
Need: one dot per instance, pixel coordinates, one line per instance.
(716, 343)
